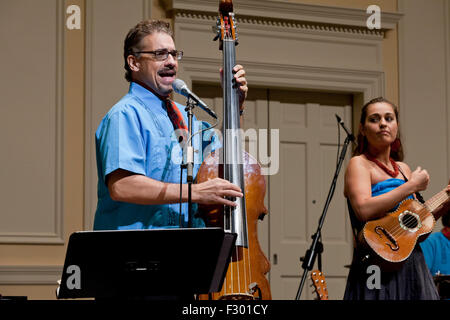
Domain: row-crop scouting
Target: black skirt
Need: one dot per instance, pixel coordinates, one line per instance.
(413, 281)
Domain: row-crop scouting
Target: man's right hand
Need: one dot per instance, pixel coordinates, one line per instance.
(213, 192)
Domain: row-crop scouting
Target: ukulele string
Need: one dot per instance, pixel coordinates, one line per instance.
(430, 206)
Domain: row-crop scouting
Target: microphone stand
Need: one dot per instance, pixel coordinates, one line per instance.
(317, 246)
(189, 165)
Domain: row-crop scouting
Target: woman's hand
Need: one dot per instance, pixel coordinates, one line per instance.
(419, 179)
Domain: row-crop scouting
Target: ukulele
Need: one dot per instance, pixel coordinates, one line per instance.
(320, 287)
(390, 240)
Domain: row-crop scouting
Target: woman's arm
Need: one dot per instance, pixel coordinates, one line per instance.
(358, 190)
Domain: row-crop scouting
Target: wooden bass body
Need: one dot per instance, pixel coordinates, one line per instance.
(248, 266)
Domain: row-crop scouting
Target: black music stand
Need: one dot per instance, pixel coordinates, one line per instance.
(145, 264)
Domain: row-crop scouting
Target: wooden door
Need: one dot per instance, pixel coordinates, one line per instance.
(308, 157)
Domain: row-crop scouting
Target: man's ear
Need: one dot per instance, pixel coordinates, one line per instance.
(133, 63)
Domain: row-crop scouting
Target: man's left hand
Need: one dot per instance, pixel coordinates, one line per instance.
(241, 83)
(239, 77)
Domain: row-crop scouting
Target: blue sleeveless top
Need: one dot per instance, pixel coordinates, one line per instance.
(377, 189)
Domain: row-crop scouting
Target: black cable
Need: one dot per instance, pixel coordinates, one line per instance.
(181, 197)
(339, 142)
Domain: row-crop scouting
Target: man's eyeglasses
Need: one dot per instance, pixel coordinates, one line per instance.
(162, 55)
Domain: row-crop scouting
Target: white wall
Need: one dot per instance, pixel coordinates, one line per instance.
(425, 88)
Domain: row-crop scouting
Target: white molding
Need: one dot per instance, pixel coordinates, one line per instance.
(295, 26)
(30, 275)
(368, 83)
(347, 40)
(55, 236)
(265, 9)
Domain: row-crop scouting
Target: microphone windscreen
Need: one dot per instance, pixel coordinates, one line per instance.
(178, 85)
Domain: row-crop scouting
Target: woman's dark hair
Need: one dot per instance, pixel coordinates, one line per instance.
(134, 37)
(362, 143)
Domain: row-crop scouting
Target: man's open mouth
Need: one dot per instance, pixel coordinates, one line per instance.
(167, 76)
(167, 73)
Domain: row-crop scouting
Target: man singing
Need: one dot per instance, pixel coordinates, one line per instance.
(138, 182)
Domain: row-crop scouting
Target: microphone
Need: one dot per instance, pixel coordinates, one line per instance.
(351, 136)
(180, 87)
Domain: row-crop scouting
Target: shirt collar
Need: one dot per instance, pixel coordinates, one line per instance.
(149, 99)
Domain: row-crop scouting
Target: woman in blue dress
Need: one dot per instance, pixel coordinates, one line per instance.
(376, 180)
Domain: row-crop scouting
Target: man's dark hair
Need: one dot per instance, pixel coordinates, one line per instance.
(132, 42)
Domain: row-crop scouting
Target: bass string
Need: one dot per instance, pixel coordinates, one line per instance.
(249, 268)
(241, 269)
(247, 265)
(246, 255)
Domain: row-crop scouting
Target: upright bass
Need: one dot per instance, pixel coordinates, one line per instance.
(245, 278)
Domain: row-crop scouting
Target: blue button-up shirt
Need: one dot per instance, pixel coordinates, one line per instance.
(137, 135)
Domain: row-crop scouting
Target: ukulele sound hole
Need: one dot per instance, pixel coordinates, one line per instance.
(409, 221)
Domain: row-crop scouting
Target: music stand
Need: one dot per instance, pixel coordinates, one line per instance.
(134, 264)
